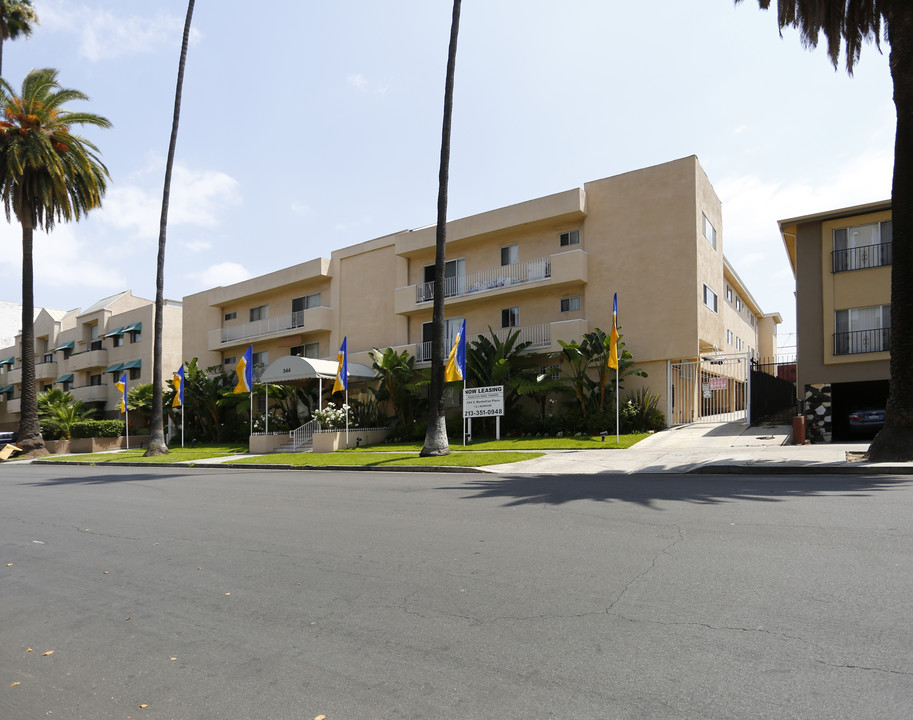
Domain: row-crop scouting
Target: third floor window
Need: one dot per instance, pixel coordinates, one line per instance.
(862, 246)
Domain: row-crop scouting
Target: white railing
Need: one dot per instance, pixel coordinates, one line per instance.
(489, 279)
(269, 326)
(303, 434)
(539, 336)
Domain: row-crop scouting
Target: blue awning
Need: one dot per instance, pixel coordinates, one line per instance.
(119, 331)
(135, 327)
(8, 361)
(66, 346)
(114, 368)
(6, 389)
(132, 364)
(65, 378)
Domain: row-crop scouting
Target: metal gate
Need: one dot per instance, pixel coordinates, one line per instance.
(716, 388)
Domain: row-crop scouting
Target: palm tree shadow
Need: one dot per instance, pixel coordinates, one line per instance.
(107, 478)
(653, 490)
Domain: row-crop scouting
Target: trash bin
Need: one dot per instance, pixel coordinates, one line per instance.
(799, 430)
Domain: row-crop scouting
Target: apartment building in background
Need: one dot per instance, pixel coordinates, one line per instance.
(547, 268)
(842, 263)
(84, 352)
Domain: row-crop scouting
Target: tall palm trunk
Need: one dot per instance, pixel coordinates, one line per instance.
(436, 434)
(895, 442)
(30, 439)
(157, 444)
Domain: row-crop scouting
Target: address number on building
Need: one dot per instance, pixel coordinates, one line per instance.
(483, 401)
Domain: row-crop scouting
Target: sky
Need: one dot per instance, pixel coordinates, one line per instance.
(317, 125)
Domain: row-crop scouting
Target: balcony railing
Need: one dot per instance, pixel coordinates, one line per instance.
(862, 341)
(489, 279)
(538, 335)
(859, 258)
(281, 323)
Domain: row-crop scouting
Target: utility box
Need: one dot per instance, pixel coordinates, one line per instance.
(799, 430)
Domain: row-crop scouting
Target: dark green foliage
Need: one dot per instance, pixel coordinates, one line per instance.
(97, 428)
(640, 413)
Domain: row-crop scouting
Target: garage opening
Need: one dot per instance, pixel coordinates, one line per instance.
(853, 397)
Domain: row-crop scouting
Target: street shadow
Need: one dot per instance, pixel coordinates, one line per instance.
(93, 477)
(652, 490)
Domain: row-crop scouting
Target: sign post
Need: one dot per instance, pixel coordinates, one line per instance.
(484, 402)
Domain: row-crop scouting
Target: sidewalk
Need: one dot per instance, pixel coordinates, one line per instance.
(711, 448)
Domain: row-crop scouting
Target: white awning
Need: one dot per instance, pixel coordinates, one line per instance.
(292, 367)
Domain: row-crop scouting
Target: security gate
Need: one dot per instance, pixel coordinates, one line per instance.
(716, 388)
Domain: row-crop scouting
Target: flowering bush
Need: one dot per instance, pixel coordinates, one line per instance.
(333, 418)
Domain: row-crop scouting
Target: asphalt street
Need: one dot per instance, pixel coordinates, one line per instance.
(233, 594)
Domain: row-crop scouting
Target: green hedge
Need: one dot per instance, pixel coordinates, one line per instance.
(97, 428)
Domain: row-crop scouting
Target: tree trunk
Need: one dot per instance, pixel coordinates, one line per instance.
(436, 435)
(895, 441)
(157, 444)
(29, 439)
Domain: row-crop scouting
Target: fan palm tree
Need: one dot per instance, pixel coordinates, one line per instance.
(47, 174)
(436, 435)
(849, 24)
(17, 19)
(157, 444)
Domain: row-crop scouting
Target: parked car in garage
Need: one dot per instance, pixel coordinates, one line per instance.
(866, 421)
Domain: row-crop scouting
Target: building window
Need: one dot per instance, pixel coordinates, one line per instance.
(260, 312)
(738, 304)
(729, 337)
(728, 293)
(308, 350)
(231, 316)
(570, 304)
(299, 305)
(569, 238)
(710, 299)
(229, 360)
(738, 343)
(451, 328)
(510, 317)
(863, 246)
(862, 330)
(708, 230)
(454, 280)
(510, 255)
(136, 336)
(118, 340)
(94, 379)
(134, 373)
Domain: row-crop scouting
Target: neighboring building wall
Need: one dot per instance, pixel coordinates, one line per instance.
(825, 286)
(73, 351)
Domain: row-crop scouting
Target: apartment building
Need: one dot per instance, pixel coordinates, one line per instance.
(547, 268)
(841, 260)
(84, 352)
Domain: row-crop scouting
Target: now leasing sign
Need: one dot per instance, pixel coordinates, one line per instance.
(483, 401)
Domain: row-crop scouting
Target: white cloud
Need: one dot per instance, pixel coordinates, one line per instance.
(301, 209)
(363, 85)
(198, 198)
(222, 274)
(198, 245)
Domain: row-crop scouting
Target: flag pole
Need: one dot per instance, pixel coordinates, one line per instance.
(347, 411)
(182, 425)
(617, 426)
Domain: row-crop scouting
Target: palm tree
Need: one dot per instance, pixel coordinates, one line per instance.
(17, 18)
(47, 174)
(157, 444)
(436, 435)
(854, 23)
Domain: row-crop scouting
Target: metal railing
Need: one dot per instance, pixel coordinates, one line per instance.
(859, 258)
(539, 336)
(303, 434)
(269, 326)
(862, 341)
(489, 279)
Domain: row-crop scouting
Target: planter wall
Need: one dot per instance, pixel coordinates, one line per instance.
(90, 445)
(325, 442)
(262, 444)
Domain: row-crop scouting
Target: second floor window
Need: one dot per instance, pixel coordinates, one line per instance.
(569, 238)
(862, 330)
(510, 317)
(261, 312)
(863, 246)
(570, 304)
(510, 255)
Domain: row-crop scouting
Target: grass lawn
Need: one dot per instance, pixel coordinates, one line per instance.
(585, 442)
(361, 458)
(200, 452)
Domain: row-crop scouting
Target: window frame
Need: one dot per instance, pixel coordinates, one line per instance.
(571, 237)
(716, 300)
(511, 316)
(569, 301)
(705, 223)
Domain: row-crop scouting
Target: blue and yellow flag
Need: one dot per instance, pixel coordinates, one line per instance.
(245, 371)
(342, 372)
(178, 384)
(613, 351)
(121, 386)
(456, 363)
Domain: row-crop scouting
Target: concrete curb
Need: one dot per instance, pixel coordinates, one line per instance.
(195, 464)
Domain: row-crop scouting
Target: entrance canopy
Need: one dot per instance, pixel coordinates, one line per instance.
(291, 368)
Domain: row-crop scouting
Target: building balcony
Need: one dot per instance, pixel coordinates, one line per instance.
(542, 338)
(90, 393)
(87, 360)
(862, 341)
(860, 258)
(552, 271)
(305, 321)
(46, 371)
(14, 406)
(14, 376)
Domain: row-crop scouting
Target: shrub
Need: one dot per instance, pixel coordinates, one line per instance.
(333, 418)
(97, 428)
(640, 413)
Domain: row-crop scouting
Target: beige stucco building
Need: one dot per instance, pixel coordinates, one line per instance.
(84, 351)
(547, 267)
(842, 263)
